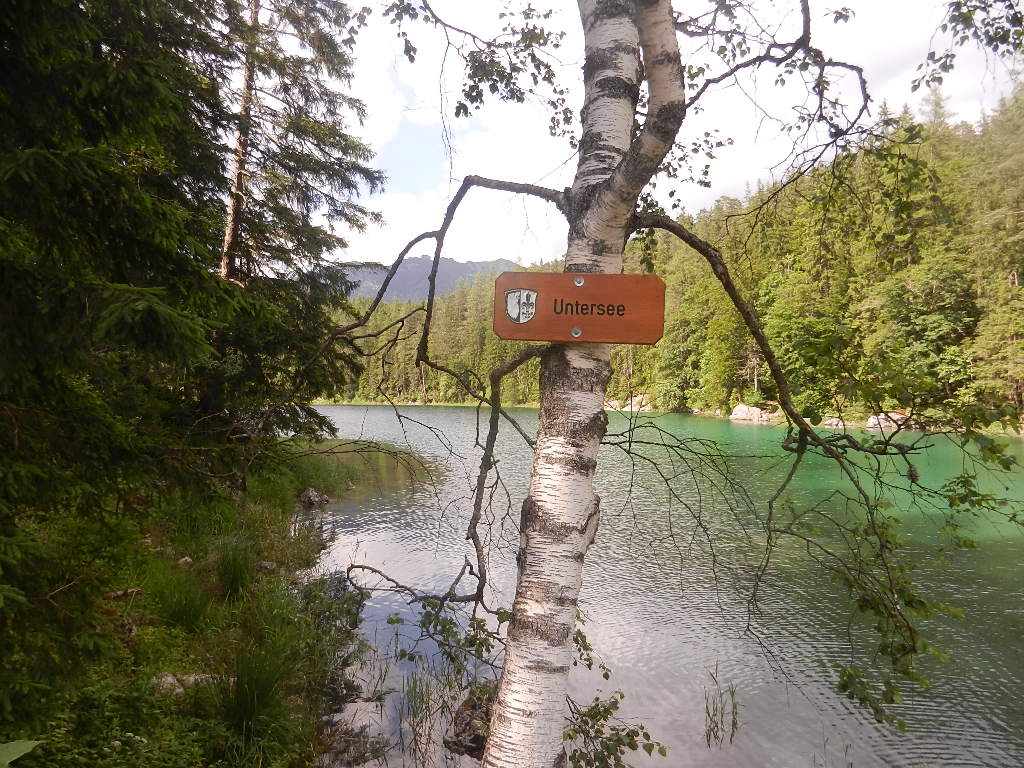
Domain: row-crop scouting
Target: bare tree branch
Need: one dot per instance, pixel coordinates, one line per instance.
(487, 459)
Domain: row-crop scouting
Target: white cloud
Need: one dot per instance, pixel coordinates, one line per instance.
(511, 141)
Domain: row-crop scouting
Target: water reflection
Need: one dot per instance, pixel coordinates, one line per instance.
(663, 614)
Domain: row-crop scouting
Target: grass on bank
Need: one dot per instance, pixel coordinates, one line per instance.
(227, 660)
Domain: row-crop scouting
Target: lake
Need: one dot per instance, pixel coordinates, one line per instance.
(665, 615)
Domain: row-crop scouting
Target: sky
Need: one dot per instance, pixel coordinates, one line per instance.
(425, 152)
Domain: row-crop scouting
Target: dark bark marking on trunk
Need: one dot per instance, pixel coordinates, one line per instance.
(616, 87)
(582, 199)
(582, 266)
(559, 375)
(667, 57)
(580, 432)
(610, 9)
(592, 522)
(544, 630)
(546, 592)
(577, 204)
(527, 512)
(592, 140)
(553, 530)
(580, 464)
(526, 515)
(593, 143)
(668, 119)
(552, 669)
(605, 58)
(540, 522)
(593, 146)
(640, 168)
(500, 717)
(594, 427)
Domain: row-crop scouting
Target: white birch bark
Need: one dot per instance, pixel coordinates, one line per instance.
(561, 512)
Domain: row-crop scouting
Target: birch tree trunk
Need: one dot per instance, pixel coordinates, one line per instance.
(626, 42)
(236, 200)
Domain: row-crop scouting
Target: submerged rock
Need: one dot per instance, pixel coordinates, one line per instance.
(342, 690)
(311, 498)
(471, 721)
(344, 745)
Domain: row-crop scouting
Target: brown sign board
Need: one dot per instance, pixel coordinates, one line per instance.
(545, 306)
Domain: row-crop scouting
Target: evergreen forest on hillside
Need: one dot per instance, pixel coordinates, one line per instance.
(890, 279)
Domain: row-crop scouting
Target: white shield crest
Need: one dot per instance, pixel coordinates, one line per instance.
(520, 305)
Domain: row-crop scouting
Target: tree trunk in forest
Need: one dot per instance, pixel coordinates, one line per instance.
(626, 42)
(241, 154)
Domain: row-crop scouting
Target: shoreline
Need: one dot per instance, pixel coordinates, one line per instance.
(650, 413)
(214, 595)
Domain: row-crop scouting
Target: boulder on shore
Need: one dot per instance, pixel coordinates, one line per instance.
(750, 413)
(638, 403)
(888, 420)
(834, 423)
(177, 684)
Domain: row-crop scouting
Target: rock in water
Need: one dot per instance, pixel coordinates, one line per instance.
(347, 745)
(311, 498)
(471, 721)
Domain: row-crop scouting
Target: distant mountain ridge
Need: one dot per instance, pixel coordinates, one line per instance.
(410, 282)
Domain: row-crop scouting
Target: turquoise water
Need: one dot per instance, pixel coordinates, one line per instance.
(667, 586)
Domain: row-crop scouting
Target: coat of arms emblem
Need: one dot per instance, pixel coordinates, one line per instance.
(520, 305)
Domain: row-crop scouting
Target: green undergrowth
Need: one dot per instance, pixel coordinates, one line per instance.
(227, 658)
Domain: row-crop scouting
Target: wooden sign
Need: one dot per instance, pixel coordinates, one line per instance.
(544, 306)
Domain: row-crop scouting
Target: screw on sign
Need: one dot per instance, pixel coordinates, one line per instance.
(617, 309)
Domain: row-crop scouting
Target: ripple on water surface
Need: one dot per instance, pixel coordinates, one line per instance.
(664, 619)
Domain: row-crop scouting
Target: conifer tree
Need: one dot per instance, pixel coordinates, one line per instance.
(295, 180)
(111, 184)
(118, 324)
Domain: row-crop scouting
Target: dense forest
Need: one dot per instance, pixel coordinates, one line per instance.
(894, 270)
(169, 178)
